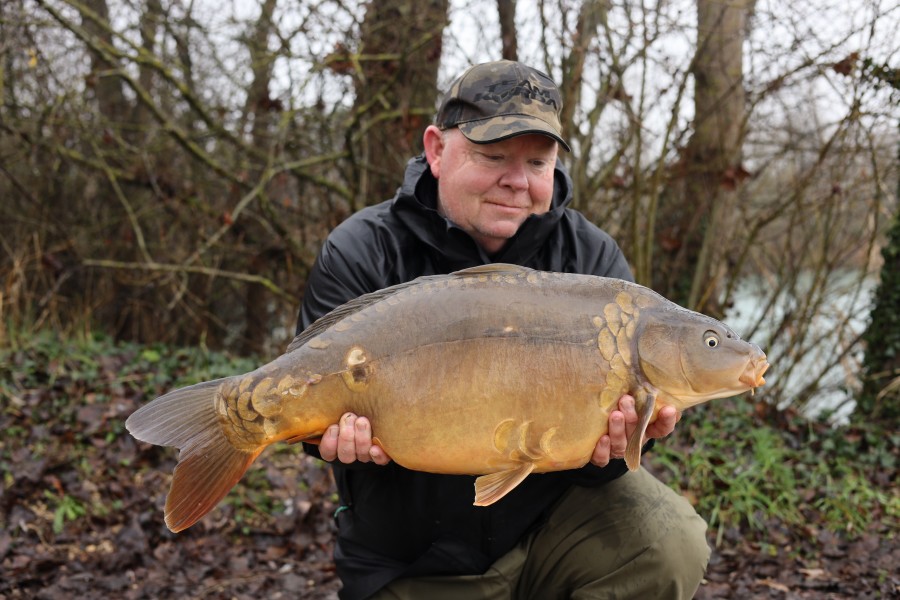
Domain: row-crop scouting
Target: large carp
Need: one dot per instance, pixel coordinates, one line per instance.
(497, 371)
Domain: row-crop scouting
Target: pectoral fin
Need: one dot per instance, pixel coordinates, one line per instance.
(492, 487)
(633, 449)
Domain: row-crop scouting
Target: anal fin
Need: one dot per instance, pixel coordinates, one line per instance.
(492, 487)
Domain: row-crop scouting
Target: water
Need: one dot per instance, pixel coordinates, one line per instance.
(811, 335)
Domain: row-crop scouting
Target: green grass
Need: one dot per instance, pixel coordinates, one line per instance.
(65, 508)
(749, 475)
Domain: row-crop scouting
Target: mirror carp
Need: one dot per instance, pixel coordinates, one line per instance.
(497, 371)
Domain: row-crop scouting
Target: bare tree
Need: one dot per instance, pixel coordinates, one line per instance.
(104, 79)
(263, 111)
(591, 15)
(160, 206)
(169, 171)
(396, 82)
(509, 37)
(152, 19)
(698, 214)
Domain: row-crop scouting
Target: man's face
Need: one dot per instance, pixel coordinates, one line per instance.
(488, 190)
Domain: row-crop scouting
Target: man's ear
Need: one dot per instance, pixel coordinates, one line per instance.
(433, 140)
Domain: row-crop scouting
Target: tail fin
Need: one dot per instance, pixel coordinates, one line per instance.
(208, 465)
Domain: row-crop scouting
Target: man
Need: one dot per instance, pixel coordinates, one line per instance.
(489, 189)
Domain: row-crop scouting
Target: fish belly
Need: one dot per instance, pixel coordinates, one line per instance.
(483, 405)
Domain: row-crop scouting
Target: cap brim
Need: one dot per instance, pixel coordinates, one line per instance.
(499, 128)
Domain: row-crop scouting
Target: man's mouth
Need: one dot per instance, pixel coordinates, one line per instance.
(507, 207)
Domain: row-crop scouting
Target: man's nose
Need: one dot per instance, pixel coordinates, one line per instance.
(515, 176)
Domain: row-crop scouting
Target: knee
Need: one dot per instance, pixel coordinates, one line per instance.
(681, 554)
(665, 562)
(633, 539)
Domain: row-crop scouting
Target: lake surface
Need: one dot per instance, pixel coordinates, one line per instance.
(811, 335)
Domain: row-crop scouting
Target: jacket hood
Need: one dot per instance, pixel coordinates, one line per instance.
(415, 205)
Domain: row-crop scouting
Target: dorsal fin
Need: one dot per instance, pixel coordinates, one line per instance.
(492, 268)
(354, 306)
(358, 304)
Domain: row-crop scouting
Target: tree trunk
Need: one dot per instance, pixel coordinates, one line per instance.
(262, 110)
(151, 19)
(697, 216)
(104, 80)
(592, 13)
(400, 52)
(509, 37)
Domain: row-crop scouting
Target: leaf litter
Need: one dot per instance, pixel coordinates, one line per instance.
(81, 505)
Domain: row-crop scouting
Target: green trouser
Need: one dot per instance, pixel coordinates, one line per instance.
(631, 538)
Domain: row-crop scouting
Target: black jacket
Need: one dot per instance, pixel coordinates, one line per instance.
(406, 523)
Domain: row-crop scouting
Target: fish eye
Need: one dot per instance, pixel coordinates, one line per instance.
(711, 339)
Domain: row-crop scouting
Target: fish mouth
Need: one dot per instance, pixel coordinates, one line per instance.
(753, 374)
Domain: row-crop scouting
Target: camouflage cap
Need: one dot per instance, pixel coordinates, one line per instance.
(498, 100)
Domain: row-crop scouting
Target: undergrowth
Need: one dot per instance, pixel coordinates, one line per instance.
(745, 473)
(64, 402)
(82, 501)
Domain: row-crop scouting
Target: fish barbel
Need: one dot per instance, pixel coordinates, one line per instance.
(497, 371)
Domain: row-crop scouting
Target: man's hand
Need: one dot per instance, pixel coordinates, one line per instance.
(622, 423)
(350, 441)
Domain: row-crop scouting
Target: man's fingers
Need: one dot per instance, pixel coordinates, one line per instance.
(622, 424)
(626, 406)
(350, 441)
(328, 445)
(617, 439)
(379, 457)
(346, 444)
(363, 433)
(665, 422)
(601, 456)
